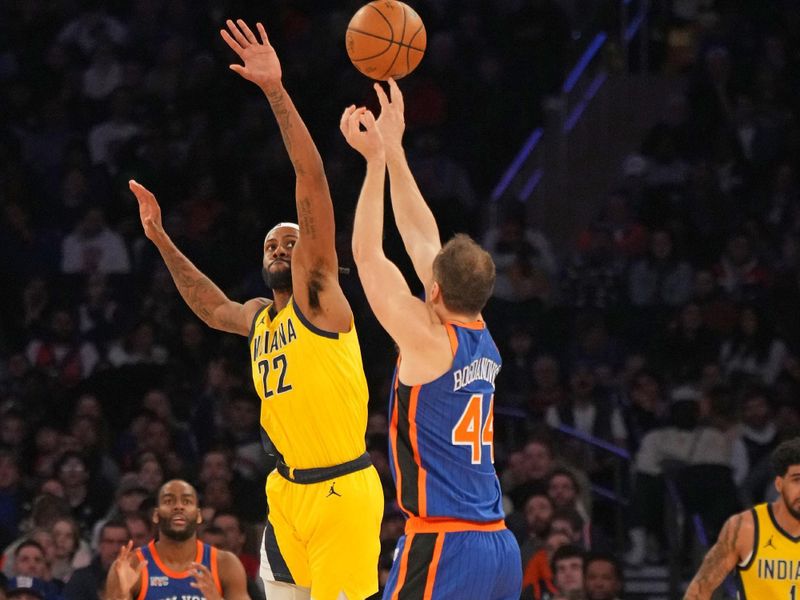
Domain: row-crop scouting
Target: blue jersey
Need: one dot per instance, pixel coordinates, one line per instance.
(441, 434)
(159, 582)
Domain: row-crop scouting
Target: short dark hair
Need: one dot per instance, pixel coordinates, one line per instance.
(116, 523)
(565, 552)
(606, 557)
(565, 473)
(569, 514)
(29, 543)
(785, 455)
(465, 273)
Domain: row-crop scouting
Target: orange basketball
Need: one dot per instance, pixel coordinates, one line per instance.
(386, 38)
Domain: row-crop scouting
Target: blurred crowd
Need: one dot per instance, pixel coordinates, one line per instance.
(668, 331)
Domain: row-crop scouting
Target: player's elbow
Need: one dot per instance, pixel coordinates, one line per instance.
(365, 252)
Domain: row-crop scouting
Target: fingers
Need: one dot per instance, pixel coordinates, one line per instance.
(126, 549)
(142, 193)
(346, 118)
(397, 95)
(367, 119)
(246, 31)
(237, 35)
(382, 98)
(230, 41)
(263, 33)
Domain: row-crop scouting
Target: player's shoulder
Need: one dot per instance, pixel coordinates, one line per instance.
(228, 563)
(739, 532)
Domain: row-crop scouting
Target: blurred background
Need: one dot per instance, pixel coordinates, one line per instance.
(630, 164)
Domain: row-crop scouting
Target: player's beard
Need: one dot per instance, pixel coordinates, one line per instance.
(792, 506)
(278, 280)
(178, 535)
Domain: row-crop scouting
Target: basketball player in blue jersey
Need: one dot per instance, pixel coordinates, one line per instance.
(325, 499)
(762, 544)
(456, 546)
(176, 565)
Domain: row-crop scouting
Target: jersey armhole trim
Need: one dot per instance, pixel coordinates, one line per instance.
(332, 335)
(215, 568)
(144, 578)
(255, 320)
(744, 565)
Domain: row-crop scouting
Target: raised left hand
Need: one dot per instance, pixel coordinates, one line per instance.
(369, 142)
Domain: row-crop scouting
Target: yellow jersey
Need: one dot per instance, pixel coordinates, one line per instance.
(312, 387)
(773, 570)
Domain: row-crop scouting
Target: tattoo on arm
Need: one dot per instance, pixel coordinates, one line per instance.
(306, 217)
(199, 292)
(716, 564)
(283, 114)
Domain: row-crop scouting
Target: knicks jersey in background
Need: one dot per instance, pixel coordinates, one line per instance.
(312, 388)
(441, 434)
(773, 570)
(159, 582)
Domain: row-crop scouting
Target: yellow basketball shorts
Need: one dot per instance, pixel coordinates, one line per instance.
(324, 536)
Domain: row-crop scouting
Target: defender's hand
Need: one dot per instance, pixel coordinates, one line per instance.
(391, 121)
(261, 64)
(204, 582)
(368, 142)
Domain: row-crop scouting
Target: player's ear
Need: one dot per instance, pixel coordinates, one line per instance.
(779, 484)
(436, 291)
(155, 516)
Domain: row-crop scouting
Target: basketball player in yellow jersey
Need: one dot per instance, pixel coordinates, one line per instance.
(762, 544)
(326, 503)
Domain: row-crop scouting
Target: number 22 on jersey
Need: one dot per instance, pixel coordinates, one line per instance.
(279, 364)
(472, 431)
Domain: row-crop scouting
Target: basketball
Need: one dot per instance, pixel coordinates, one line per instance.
(386, 38)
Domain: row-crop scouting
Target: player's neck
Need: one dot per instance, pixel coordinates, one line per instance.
(280, 298)
(177, 553)
(788, 522)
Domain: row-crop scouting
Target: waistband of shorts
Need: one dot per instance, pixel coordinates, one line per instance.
(444, 525)
(319, 474)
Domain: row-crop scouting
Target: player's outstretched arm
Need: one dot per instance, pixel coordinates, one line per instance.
(314, 261)
(205, 299)
(414, 218)
(735, 541)
(398, 311)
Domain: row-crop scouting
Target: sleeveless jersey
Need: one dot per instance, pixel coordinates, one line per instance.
(159, 582)
(441, 434)
(312, 387)
(773, 570)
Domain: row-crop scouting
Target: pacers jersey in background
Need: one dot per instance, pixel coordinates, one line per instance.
(312, 388)
(773, 570)
(162, 583)
(441, 434)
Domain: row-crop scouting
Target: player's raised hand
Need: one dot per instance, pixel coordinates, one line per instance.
(127, 568)
(261, 64)
(204, 581)
(149, 210)
(368, 142)
(391, 121)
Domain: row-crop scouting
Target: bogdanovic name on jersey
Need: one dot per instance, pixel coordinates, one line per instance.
(777, 568)
(480, 368)
(284, 335)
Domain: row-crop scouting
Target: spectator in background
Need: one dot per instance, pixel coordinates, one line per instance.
(93, 247)
(140, 526)
(696, 457)
(61, 353)
(645, 406)
(235, 539)
(567, 565)
(99, 313)
(138, 347)
(662, 278)
(593, 278)
(70, 550)
(719, 313)
(548, 388)
(740, 272)
(752, 354)
(537, 575)
(537, 462)
(759, 433)
(87, 501)
(602, 577)
(686, 347)
(12, 496)
(88, 583)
